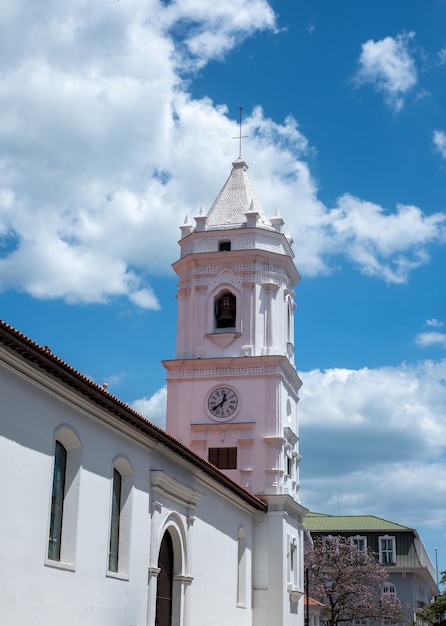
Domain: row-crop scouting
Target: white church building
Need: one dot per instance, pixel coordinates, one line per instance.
(108, 520)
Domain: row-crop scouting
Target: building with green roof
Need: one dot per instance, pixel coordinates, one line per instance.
(399, 548)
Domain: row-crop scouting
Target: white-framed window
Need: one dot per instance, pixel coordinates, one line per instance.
(61, 549)
(387, 554)
(359, 542)
(120, 518)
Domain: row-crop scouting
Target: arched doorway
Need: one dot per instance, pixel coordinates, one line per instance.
(164, 588)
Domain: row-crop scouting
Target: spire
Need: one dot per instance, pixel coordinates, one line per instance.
(240, 136)
(236, 198)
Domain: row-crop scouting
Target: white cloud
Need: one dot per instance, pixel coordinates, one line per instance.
(385, 245)
(386, 491)
(310, 27)
(388, 66)
(364, 431)
(103, 152)
(153, 408)
(431, 339)
(210, 32)
(440, 142)
(434, 323)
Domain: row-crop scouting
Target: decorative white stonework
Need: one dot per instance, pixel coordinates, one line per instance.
(223, 340)
(218, 372)
(173, 489)
(255, 240)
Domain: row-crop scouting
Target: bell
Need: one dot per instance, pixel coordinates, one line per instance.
(226, 312)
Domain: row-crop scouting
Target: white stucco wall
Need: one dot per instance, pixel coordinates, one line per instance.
(36, 591)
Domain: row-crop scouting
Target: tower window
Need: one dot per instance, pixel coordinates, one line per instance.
(223, 458)
(224, 246)
(225, 311)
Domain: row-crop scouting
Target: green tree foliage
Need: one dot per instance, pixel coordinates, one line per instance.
(435, 612)
(350, 583)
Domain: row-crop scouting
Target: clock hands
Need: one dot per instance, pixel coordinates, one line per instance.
(220, 404)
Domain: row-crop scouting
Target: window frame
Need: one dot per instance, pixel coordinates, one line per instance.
(216, 456)
(115, 522)
(57, 501)
(356, 539)
(120, 519)
(385, 550)
(65, 556)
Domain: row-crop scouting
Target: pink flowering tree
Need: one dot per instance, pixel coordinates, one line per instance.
(350, 583)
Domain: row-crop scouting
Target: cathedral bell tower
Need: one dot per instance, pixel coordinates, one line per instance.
(232, 389)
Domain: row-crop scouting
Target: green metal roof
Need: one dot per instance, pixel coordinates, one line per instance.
(318, 522)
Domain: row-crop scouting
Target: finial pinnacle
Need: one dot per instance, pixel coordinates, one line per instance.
(240, 136)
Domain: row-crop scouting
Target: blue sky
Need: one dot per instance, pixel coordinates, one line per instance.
(117, 120)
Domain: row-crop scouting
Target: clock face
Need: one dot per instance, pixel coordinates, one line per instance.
(222, 402)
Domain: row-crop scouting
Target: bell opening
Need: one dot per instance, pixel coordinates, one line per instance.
(225, 311)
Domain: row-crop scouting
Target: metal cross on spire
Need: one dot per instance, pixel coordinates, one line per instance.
(240, 136)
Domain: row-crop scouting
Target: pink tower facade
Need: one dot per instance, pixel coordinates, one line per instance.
(232, 389)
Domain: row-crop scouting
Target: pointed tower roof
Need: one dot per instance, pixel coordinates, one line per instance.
(236, 198)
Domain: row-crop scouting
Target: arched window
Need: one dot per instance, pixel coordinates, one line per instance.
(64, 497)
(164, 590)
(120, 517)
(225, 310)
(57, 501)
(113, 553)
(389, 588)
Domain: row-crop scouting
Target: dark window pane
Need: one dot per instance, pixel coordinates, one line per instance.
(57, 500)
(114, 524)
(223, 458)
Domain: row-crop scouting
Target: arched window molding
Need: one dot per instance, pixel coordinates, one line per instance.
(224, 288)
(62, 528)
(389, 587)
(121, 484)
(173, 527)
(167, 494)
